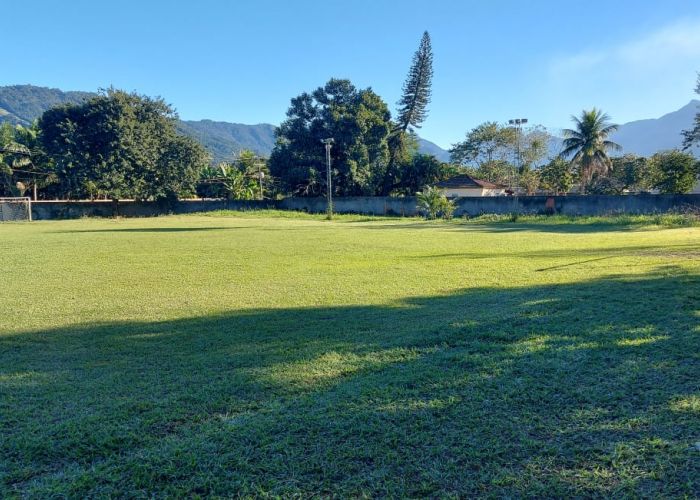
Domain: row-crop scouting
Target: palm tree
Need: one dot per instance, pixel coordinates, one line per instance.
(588, 144)
(433, 203)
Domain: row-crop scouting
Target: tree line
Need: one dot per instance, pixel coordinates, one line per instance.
(125, 145)
(523, 159)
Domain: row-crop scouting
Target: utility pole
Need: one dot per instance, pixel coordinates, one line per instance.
(518, 123)
(329, 189)
(261, 176)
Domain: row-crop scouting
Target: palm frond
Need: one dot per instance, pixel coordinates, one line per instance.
(612, 146)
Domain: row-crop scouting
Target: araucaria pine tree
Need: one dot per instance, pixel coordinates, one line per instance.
(412, 111)
(416, 90)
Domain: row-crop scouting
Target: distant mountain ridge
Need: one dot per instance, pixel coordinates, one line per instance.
(223, 140)
(22, 104)
(646, 137)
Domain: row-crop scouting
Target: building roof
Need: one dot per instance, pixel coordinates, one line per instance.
(465, 182)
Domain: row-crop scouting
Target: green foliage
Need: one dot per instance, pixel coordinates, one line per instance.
(692, 137)
(422, 170)
(400, 176)
(357, 120)
(557, 176)
(485, 144)
(23, 165)
(632, 173)
(530, 180)
(416, 89)
(223, 141)
(674, 171)
(493, 152)
(533, 146)
(578, 223)
(237, 181)
(602, 184)
(403, 146)
(496, 171)
(122, 145)
(587, 145)
(433, 203)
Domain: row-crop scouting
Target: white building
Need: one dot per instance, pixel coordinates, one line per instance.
(465, 185)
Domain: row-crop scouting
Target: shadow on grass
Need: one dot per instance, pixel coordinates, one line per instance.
(687, 250)
(582, 389)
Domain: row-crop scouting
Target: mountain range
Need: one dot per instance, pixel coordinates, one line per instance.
(646, 137)
(22, 104)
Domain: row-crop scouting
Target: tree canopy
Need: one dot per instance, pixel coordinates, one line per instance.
(500, 153)
(674, 171)
(120, 145)
(359, 123)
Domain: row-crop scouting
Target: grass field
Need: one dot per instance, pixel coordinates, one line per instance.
(256, 354)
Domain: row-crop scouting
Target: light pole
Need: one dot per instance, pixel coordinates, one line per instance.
(518, 123)
(261, 176)
(329, 189)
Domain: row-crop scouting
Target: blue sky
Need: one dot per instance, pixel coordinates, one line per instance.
(242, 61)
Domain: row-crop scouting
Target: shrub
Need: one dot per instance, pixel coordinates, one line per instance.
(434, 204)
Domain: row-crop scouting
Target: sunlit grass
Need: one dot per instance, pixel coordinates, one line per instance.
(265, 353)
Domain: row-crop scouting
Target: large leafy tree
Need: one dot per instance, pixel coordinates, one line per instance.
(692, 136)
(494, 152)
(588, 145)
(632, 173)
(359, 123)
(492, 142)
(121, 145)
(674, 171)
(487, 143)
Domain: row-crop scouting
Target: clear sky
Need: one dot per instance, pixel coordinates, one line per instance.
(242, 60)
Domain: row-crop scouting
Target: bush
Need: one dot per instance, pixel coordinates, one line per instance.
(434, 204)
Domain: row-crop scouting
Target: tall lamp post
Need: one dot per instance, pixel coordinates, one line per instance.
(261, 176)
(329, 189)
(518, 124)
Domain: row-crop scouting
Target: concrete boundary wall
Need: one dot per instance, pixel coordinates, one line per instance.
(376, 205)
(45, 210)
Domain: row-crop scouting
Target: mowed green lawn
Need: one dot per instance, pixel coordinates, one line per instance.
(253, 354)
